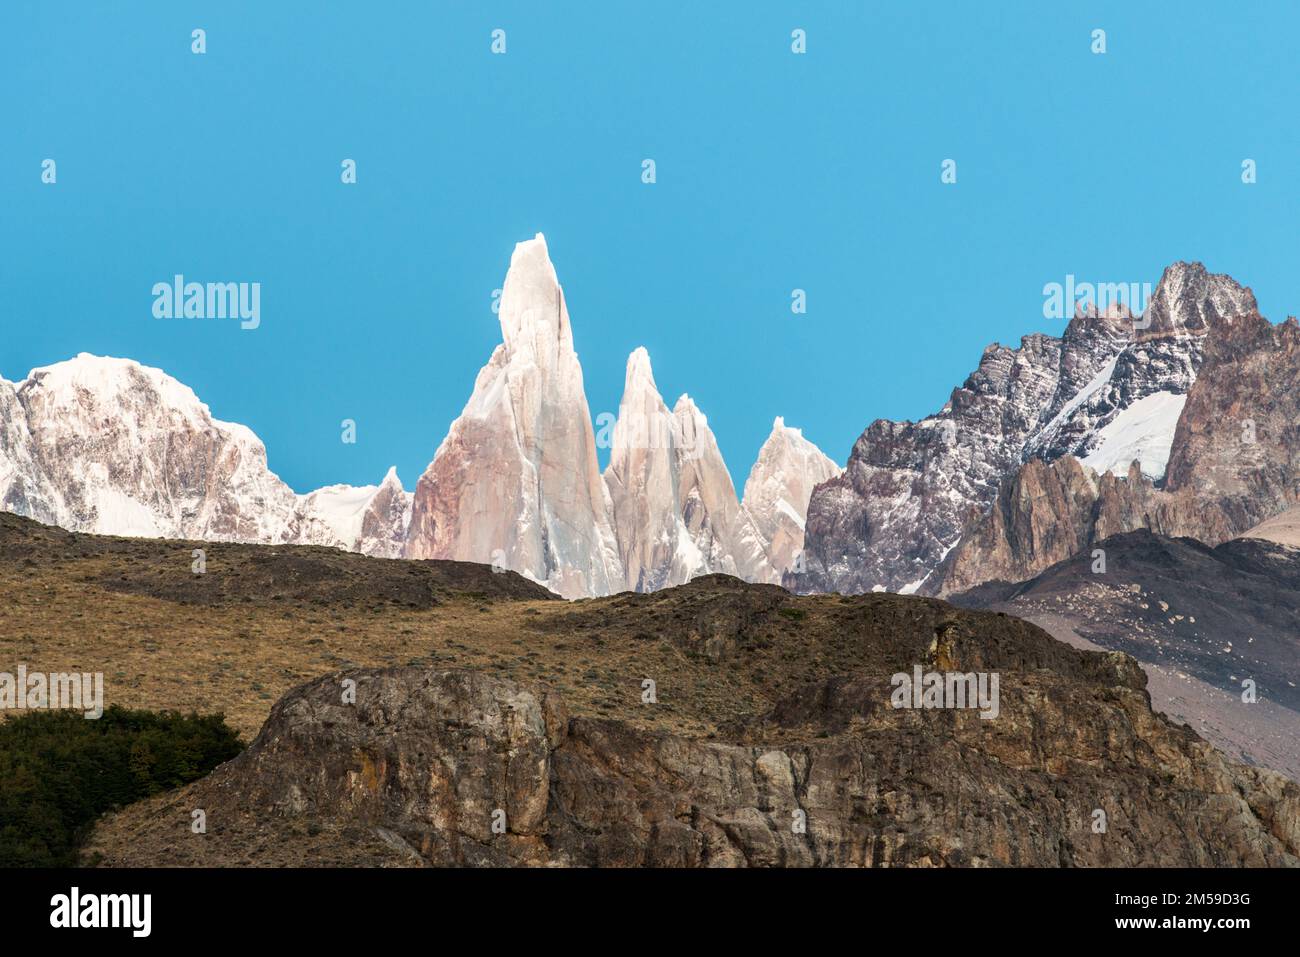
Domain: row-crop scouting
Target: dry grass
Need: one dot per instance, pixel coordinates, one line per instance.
(263, 619)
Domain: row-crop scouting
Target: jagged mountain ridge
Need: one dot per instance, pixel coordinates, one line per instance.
(515, 483)
(113, 447)
(1234, 463)
(779, 489)
(675, 506)
(1112, 389)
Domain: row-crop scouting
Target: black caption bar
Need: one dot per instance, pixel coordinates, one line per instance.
(137, 906)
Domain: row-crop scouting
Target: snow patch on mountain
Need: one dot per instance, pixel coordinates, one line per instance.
(1144, 432)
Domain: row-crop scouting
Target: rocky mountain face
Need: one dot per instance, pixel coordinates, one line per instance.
(1234, 462)
(674, 507)
(371, 519)
(123, 447)
(778, 491)
(1220, 616)
(1110, 391)
(457, 767)
(515, 481)
(722, 530)
(112, 447)
(1044, 513)
(109, 446)
(24, 489)
(1237, 448)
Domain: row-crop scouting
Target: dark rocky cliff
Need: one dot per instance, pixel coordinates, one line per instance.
(417, 770)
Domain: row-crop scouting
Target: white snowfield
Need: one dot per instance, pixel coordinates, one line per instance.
(108, 446)
(1143, 432)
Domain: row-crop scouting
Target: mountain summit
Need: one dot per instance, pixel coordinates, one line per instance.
(106, 445)
(779, 488)
(675, 508)
(516, 482)
(1109, 392)
(109, 446)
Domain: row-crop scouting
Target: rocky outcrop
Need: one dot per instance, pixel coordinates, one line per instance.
(1220, 627)
(1043, 515)
(515, 483)
(1237, 448)
(412, 766)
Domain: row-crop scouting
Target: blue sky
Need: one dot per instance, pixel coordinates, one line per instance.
(775, 172)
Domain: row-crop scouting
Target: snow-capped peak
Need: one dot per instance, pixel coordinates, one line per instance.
(685, 408)
(515, 483)
(779, 488)
(644, 422)
(115, 447)
(534, 321)
(101, 378)
(371, 519)
(782, 433)
(122, 448)
(639, 373)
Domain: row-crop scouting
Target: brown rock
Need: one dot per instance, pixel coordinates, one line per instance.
(415, 771)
